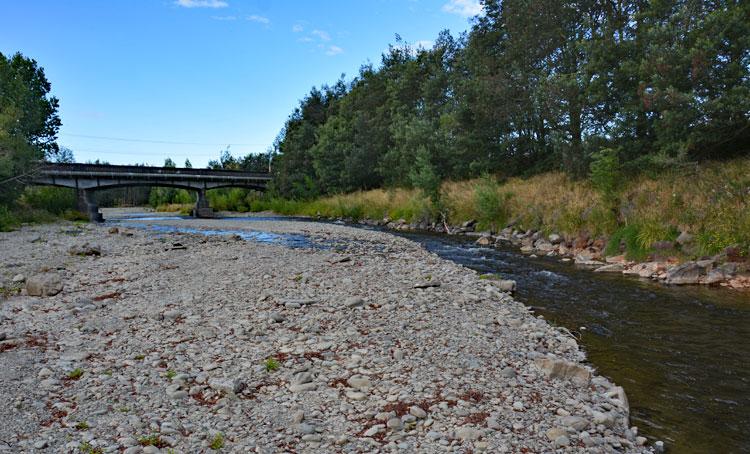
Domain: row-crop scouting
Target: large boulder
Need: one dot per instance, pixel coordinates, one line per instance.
(44, 284)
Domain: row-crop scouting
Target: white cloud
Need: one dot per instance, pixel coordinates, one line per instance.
(259, 19)
(465, 8)
(224, 18)
(324, 36)
(201, 3)
(334, 50)
(297, 28)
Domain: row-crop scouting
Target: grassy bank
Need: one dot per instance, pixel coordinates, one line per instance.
(709, 201)
(40, 205)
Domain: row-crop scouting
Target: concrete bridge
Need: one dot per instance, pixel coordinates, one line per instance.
(87, 178)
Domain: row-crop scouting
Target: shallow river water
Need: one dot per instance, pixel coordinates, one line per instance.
(681, 353)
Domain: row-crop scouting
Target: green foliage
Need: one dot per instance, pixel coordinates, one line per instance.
(271, 364)
(490, 204)
(606, 175)
(626, 236)
(217, 442)
(87, 448)
(75, 374)
(82, 425)
(170, 374)
(28, 123)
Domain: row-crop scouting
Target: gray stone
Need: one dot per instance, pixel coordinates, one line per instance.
(276, 317)
(468, 434)
(298, 417)
(19, 278)
(427, 284)
(354, 301)
(359, 382)
(394, 423)
(417, 412)
(611, 268)
(576, 422)
(686, 273)
(301, 378)
(305, 428)
(559, 368)
(85, 249)
(226, 385)
(554, 238)
(45, 284)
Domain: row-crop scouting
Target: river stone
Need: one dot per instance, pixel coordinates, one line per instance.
(359, 382)
(45, 284)
(686, 273)
(226, 385)
(85, 249)
(559, 368)
(484, 241)
(576, 422)
(417, 412)
(354, 301)
(468, 434)
(18, 278)
(611, 268)
(427, 284)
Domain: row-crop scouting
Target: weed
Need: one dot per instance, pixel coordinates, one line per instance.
(152, 440)
(170, 374)
(82, 425)
(217, 442)
(271, 364)
(75, 374)
(86, 448)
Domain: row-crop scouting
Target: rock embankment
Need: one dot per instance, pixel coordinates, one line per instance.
(365, 342)
(729, 268)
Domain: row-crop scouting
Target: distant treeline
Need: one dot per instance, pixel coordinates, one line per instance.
(533, 86)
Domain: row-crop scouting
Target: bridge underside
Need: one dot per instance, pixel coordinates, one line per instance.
(87, 205)
(87, 178)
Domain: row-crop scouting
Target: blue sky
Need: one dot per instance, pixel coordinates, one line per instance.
(204, 73)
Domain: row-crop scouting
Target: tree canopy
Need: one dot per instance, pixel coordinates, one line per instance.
(533, 86)
(28, 121)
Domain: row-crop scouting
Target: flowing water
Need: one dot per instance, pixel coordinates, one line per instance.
(681, 353)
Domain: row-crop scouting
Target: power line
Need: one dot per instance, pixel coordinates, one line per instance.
(169, 142)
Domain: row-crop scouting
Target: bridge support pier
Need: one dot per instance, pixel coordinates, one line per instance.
(202, 209)
(87, 206)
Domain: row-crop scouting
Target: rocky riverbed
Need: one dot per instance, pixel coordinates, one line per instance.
(127, 340)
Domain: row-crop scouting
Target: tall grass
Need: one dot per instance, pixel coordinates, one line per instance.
(710, 200)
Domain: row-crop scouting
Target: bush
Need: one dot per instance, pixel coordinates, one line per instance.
(606, 176)
(490, 204)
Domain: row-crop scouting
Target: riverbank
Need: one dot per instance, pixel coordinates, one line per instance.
(690, 225)
(355, 341)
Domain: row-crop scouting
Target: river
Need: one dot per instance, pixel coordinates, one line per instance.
(681, 353)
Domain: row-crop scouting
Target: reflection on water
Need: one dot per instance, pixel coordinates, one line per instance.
(285, 239)
(681, 353)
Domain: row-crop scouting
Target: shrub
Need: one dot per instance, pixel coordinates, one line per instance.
(490, 204)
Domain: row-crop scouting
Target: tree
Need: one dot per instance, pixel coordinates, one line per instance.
(188, 164)
(65, 155)
(28, 122)
(169, 163)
